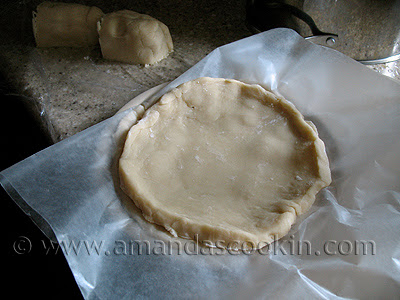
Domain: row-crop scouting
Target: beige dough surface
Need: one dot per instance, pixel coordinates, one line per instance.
(57, 24)
(130, 37)
(225, 162)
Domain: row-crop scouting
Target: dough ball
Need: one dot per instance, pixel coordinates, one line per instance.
(57, 24)
(130, 37)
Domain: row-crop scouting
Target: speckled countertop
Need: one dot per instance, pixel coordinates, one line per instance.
(72, 89)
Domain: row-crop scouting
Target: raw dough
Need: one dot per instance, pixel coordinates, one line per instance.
(130, 37)
(225, 162)
(57, 24)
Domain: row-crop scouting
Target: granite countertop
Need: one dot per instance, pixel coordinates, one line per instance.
(72, 89)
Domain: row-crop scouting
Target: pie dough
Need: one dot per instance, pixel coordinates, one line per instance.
(223, 162)
(57, 24)
(130, 37)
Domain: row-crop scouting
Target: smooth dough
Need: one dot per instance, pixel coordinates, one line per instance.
(57, 24)
(130, 37)
(225, 162)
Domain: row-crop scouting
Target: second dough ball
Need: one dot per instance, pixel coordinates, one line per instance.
(57, 24)
(130, 37)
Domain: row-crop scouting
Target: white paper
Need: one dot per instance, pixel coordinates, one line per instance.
(346, 246)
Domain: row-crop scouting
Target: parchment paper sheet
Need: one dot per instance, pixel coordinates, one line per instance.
(346, 246)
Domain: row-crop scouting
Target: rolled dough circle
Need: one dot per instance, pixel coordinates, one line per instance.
(223, 162)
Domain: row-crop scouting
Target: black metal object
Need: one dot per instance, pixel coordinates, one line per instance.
(262, 15)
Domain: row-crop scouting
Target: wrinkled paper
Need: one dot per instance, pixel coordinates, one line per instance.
(346, 246)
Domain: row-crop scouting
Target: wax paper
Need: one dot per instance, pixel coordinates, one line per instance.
(346, 246)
